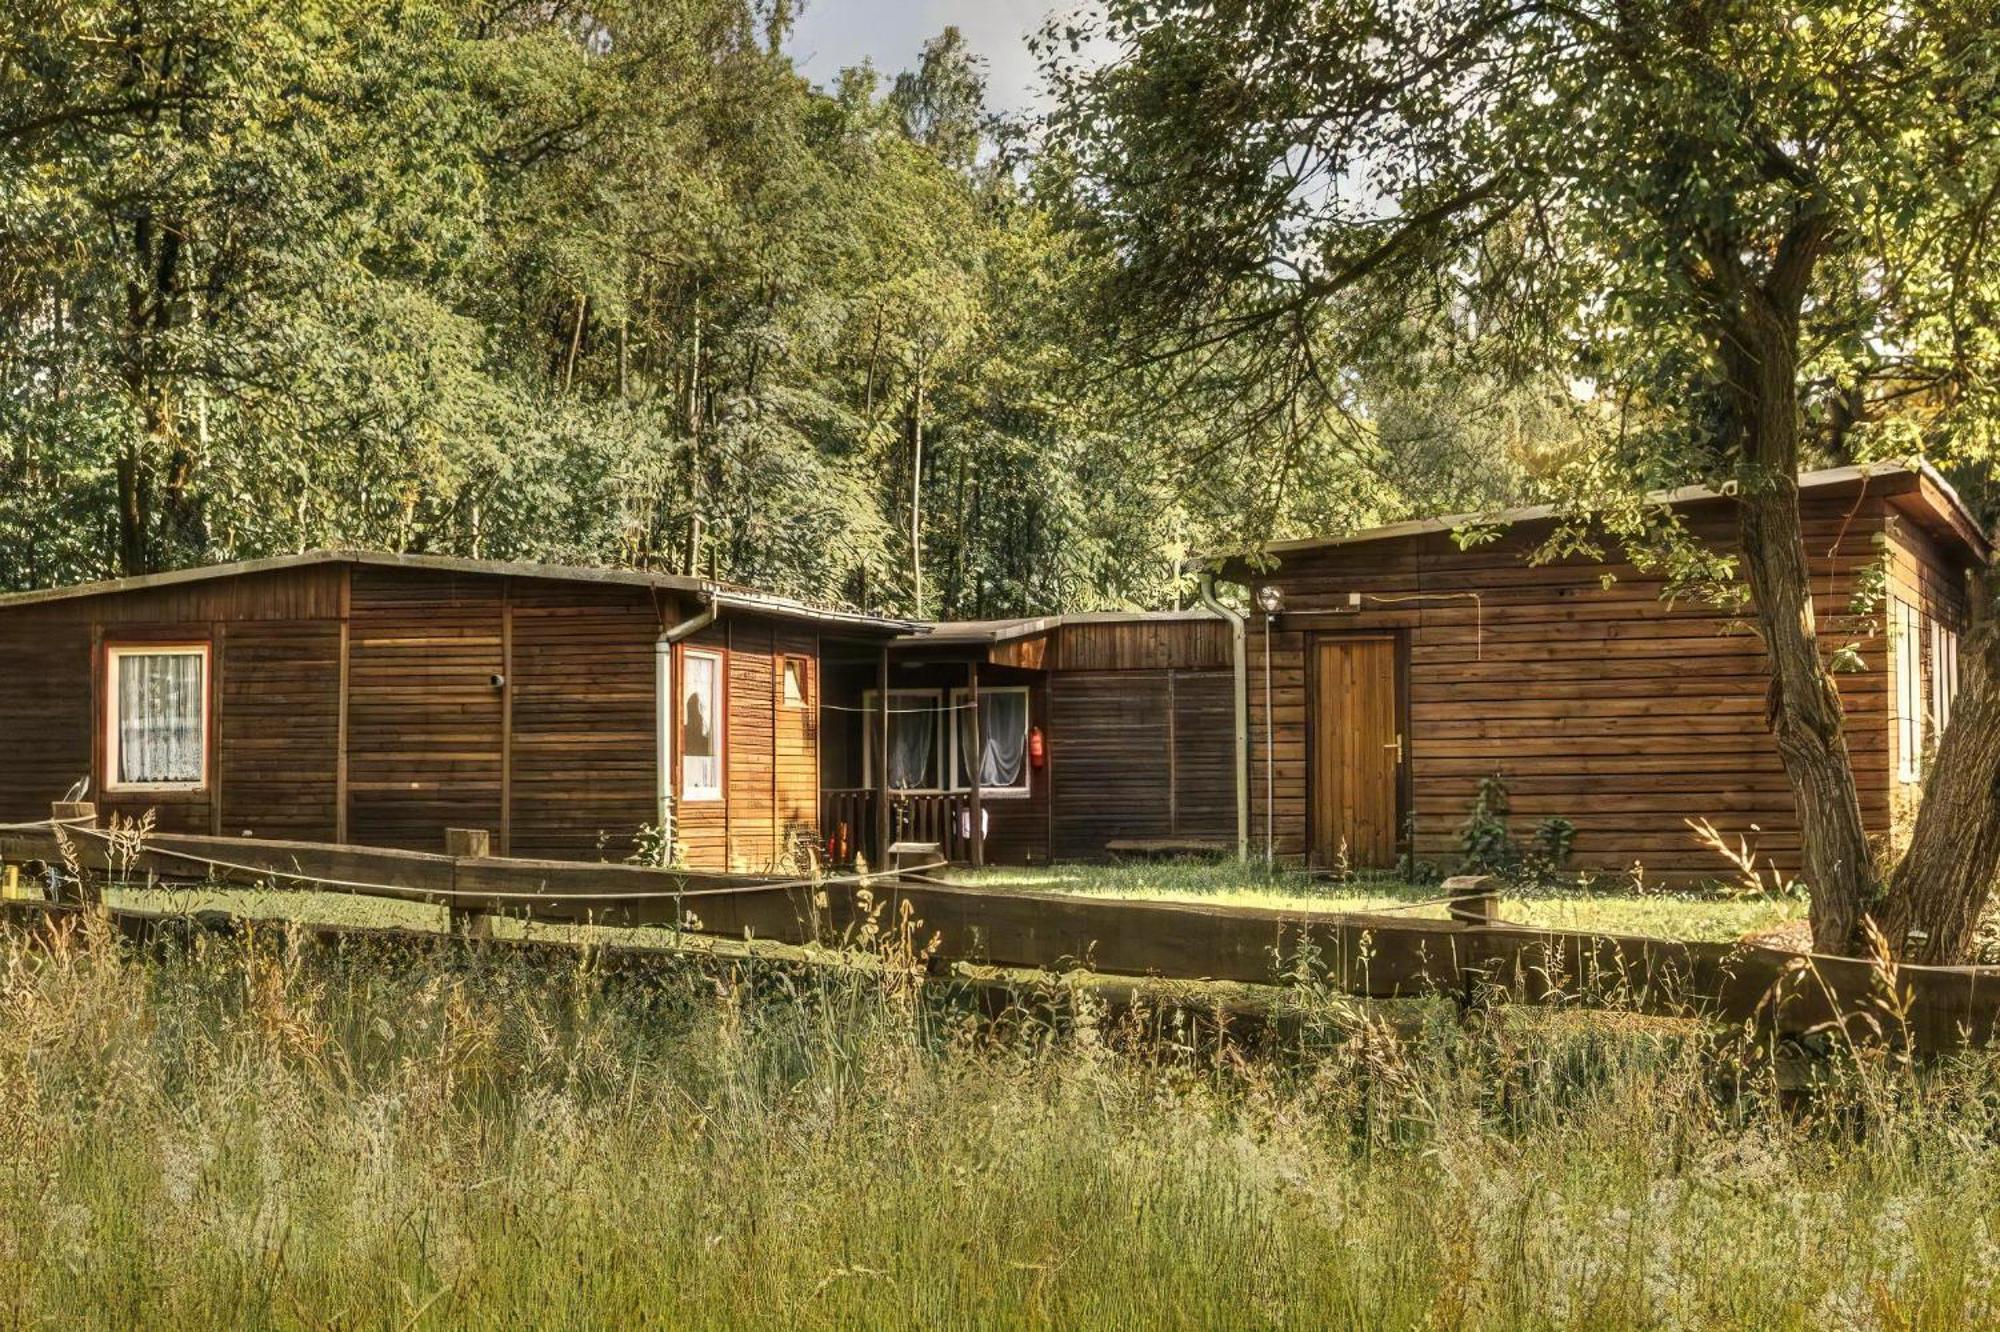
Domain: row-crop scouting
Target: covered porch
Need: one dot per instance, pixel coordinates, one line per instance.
(957, 757)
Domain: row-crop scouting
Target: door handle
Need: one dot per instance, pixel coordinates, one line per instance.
(1397, 745)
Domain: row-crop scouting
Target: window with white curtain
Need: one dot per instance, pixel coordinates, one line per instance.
(916, 738)
(1003, 747)
(1905, 645)
(701, 724)
(156, 717)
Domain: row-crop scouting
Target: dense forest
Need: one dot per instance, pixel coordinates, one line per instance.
(606, 284)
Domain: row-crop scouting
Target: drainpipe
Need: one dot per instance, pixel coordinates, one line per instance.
(666, 710)
(1239, 661)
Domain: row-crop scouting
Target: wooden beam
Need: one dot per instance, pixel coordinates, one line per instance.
(882, 755)
(973, 763)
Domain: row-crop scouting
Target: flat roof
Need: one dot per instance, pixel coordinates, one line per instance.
(1005, 631)
(727, 595)
(1946, 513)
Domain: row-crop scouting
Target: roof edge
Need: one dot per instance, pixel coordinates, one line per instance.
(1953, 513)
(707, 589)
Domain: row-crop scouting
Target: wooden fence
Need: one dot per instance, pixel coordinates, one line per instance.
(1378, 955)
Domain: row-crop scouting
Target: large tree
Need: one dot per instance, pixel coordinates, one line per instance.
(1742, 236)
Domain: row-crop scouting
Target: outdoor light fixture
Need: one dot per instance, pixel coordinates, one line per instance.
(1270, 599)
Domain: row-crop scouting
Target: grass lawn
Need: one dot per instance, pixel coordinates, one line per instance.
(239, 1135)
(1669, 915)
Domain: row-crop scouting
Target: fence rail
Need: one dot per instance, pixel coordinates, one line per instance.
(1367, 955)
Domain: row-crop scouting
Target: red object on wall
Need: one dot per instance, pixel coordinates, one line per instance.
(1038, 752)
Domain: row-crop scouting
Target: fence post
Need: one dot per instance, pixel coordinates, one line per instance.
(466, 844)
(1473, 899)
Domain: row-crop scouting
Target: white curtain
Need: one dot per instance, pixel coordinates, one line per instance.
(159, 717)
(1003, 757)
(701, 761)
(912, 741)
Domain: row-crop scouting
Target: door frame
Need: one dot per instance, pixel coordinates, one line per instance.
(1405, 780)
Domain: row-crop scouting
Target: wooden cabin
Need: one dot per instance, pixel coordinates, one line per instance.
(1099, 734)
(1404, 669)
(379, 699)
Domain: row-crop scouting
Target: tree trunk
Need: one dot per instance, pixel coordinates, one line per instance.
(917, 496)
(1942, 884)
(1804, 709)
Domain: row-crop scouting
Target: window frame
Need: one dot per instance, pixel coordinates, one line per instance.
(1944, 673)
(962, 695)
(114, 653)
(804, 665)
(1906, 647)
(718, 728)
(868, 709)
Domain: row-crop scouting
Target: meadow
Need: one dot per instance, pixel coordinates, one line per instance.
(259, 1132)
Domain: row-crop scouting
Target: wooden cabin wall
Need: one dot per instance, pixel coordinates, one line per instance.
(770, 753)
(749, 761)
(796, 737)
(557, 761)
(583, 775)
(1140, 733)
(46, 710)
(1142, 644)
(1600, 704)
(425, 723)
(1139, 754)
(274, 700)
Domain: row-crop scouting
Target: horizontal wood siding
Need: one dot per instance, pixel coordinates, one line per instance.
(278, 735)
(1143, 645)
(750, 772)
(45, 711)
(1597, 703)
(583, 777)
(1204, 773)
(424, 720)
(796, 727)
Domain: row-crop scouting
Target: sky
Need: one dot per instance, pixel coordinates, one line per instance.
(833, 34)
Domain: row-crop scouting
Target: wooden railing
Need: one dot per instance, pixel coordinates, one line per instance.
(847, 822)
(1471, 955)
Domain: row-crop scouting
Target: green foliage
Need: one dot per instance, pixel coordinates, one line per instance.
(1701, 242)
(540, 282)
(1485, 844)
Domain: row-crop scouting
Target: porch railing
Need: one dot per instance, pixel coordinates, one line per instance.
(847, 822)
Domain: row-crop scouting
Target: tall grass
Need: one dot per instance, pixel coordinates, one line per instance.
(252, 1134)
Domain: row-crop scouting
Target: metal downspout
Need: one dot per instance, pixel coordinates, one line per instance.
(665, 711)
(1240, 669)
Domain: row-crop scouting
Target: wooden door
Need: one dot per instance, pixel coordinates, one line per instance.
(1356, 752)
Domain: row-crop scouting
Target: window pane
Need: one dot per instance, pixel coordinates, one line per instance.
(701, 740)
(1003, 763)
(1907, 646)
(160, 734)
